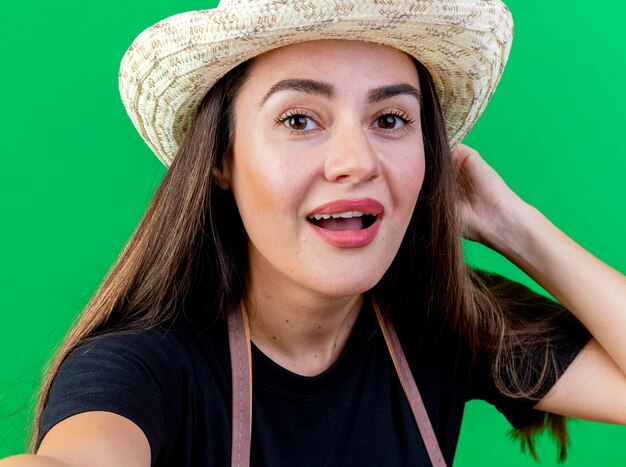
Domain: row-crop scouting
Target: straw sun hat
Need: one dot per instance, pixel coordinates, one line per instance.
(169, 68)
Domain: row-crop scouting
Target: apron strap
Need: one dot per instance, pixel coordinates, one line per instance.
(410, 389)
(241, 367)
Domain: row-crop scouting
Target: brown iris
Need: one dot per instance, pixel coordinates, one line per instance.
(387, 122)
(297, 122)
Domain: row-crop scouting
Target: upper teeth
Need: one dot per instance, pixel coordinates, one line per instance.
(344, 215)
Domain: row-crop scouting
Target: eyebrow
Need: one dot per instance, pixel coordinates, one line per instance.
(321, 88)
(307, 86)
(385, 92)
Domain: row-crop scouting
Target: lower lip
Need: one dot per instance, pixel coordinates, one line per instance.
(349, 238)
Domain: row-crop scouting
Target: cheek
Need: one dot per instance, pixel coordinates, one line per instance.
(263, 180)
(249, 180)
(407, 180)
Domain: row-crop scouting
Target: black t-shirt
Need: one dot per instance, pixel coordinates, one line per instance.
(175, 384)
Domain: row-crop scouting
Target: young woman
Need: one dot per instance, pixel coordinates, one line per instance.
(313, 208)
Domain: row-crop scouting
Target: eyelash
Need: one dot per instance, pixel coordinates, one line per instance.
(406, 120)
(280, 121)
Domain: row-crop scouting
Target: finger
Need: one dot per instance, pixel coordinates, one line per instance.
(460, 153)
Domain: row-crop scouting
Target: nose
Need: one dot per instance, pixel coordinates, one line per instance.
(351, 157)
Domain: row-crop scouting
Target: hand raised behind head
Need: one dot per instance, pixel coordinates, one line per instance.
(486, 200)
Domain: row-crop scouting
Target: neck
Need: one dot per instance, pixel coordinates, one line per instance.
(305, 335)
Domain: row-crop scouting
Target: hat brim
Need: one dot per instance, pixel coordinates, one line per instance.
(170, 67)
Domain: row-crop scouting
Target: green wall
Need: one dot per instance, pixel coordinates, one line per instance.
(76, 177)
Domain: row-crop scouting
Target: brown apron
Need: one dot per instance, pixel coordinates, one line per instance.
(241, 367)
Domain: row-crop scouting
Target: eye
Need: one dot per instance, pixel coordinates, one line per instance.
(297, 120)
(393, 120)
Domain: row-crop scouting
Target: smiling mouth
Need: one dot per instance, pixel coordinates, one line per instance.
(343, 221)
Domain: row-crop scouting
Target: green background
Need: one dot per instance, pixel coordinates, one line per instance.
(76, 177)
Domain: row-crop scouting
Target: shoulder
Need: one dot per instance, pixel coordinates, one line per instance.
(134, 353)
(148, 376)
(159, 360)
(167, 346)
(158, 344)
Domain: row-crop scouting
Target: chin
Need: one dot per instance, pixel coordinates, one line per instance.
(346, 286)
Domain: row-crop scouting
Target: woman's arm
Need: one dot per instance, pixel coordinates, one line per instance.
(594, 386)
(90, 439)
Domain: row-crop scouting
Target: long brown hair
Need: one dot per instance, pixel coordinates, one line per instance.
(188, 256)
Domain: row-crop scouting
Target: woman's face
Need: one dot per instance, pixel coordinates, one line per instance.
(327, 165)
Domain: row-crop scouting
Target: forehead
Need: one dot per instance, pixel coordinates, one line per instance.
(347, 62)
